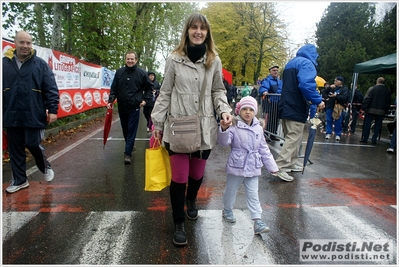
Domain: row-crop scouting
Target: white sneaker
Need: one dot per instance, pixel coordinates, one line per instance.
(297, 168)
(49, 175)
(283, 176)
(337, 138)
(390, 150)
(14, 188)
(328, 136)
(294, 168)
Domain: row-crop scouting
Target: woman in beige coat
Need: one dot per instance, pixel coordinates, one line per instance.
(191, 64)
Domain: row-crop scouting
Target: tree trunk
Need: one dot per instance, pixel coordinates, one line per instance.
(56, 42)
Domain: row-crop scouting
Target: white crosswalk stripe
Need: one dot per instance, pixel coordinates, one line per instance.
(228, 243)
(13, 221)
(105, 236)
(109, 240)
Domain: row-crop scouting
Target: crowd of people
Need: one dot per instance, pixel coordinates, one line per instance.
(194, 64)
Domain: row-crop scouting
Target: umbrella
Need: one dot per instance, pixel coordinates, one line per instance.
(320, 81)
(312, 133)
(107, 125)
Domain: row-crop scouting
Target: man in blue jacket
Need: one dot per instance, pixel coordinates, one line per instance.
(30, 103)
(271, 85)
(299, 88)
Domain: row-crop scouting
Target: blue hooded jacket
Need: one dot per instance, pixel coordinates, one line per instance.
(299, 85)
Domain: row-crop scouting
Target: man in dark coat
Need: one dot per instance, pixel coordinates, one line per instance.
(30, 103)
(133, 89)
(376, 104)
(355, 106)
(147, 109)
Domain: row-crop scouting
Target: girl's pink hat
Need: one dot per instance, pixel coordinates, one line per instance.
(247, 102)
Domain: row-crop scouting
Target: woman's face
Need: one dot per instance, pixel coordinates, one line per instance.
(197, 33)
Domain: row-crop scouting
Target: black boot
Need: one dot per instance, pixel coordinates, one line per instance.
(192, 212)
(191, 197)
(177, 194)
(179, 238)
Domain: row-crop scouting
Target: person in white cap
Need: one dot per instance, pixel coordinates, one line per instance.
(249, 152)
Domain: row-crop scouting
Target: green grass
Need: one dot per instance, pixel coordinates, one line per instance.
(76, 117)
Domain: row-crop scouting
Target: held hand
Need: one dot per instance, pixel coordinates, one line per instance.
(51, 118)
(142, 104)
(223, 125)
(321, 106)
(157, 134)
(110, 106)
(227, 118)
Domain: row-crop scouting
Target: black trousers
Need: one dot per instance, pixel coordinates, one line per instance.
(20, 138)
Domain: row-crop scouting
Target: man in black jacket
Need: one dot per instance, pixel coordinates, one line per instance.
(376, 104)
(132, 89)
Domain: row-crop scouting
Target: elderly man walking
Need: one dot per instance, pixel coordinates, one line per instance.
(376, 104)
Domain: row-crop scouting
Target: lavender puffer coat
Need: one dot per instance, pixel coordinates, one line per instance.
(249, 150)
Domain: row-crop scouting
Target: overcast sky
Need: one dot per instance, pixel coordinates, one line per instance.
(301, 18)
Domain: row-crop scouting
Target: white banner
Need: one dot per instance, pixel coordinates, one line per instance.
(90, 77)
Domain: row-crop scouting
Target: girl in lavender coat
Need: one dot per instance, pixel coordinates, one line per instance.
(249, 152)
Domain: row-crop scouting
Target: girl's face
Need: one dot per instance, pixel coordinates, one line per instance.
(247, 114)
(197, 33)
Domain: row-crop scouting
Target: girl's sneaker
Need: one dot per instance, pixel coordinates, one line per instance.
(260, 227)
(229, 216)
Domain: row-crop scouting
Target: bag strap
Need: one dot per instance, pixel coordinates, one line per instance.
(202, 92)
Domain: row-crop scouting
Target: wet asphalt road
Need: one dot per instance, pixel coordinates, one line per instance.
(96, 212)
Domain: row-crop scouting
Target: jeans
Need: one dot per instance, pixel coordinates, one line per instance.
(130, 124)
(355, 116)
(392, 144)
(337, 123)
(368, 119)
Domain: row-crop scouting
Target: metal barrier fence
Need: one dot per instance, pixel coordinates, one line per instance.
(273, 130)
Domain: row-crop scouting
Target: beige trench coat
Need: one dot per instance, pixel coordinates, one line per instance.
(180, 93)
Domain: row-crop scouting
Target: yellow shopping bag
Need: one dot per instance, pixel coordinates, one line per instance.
(157, 168)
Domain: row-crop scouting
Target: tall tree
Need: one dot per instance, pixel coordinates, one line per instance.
(249, 36)
(56, 37)
(347, 34)
(101, 32)
(344, 37)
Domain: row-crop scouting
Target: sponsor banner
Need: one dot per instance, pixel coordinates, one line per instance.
(90, 75)
(5, 45)
(82, 85)
(343, 250)
(66, 69)
(74, 101)
(108, 77)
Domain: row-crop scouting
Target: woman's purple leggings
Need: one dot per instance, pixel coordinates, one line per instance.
(183, 166)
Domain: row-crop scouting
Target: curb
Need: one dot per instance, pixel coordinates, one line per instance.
(56, 130)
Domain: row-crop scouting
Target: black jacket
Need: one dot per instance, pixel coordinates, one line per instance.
(130, 87)
(155, 90)
(341, 98)
(378, 101)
